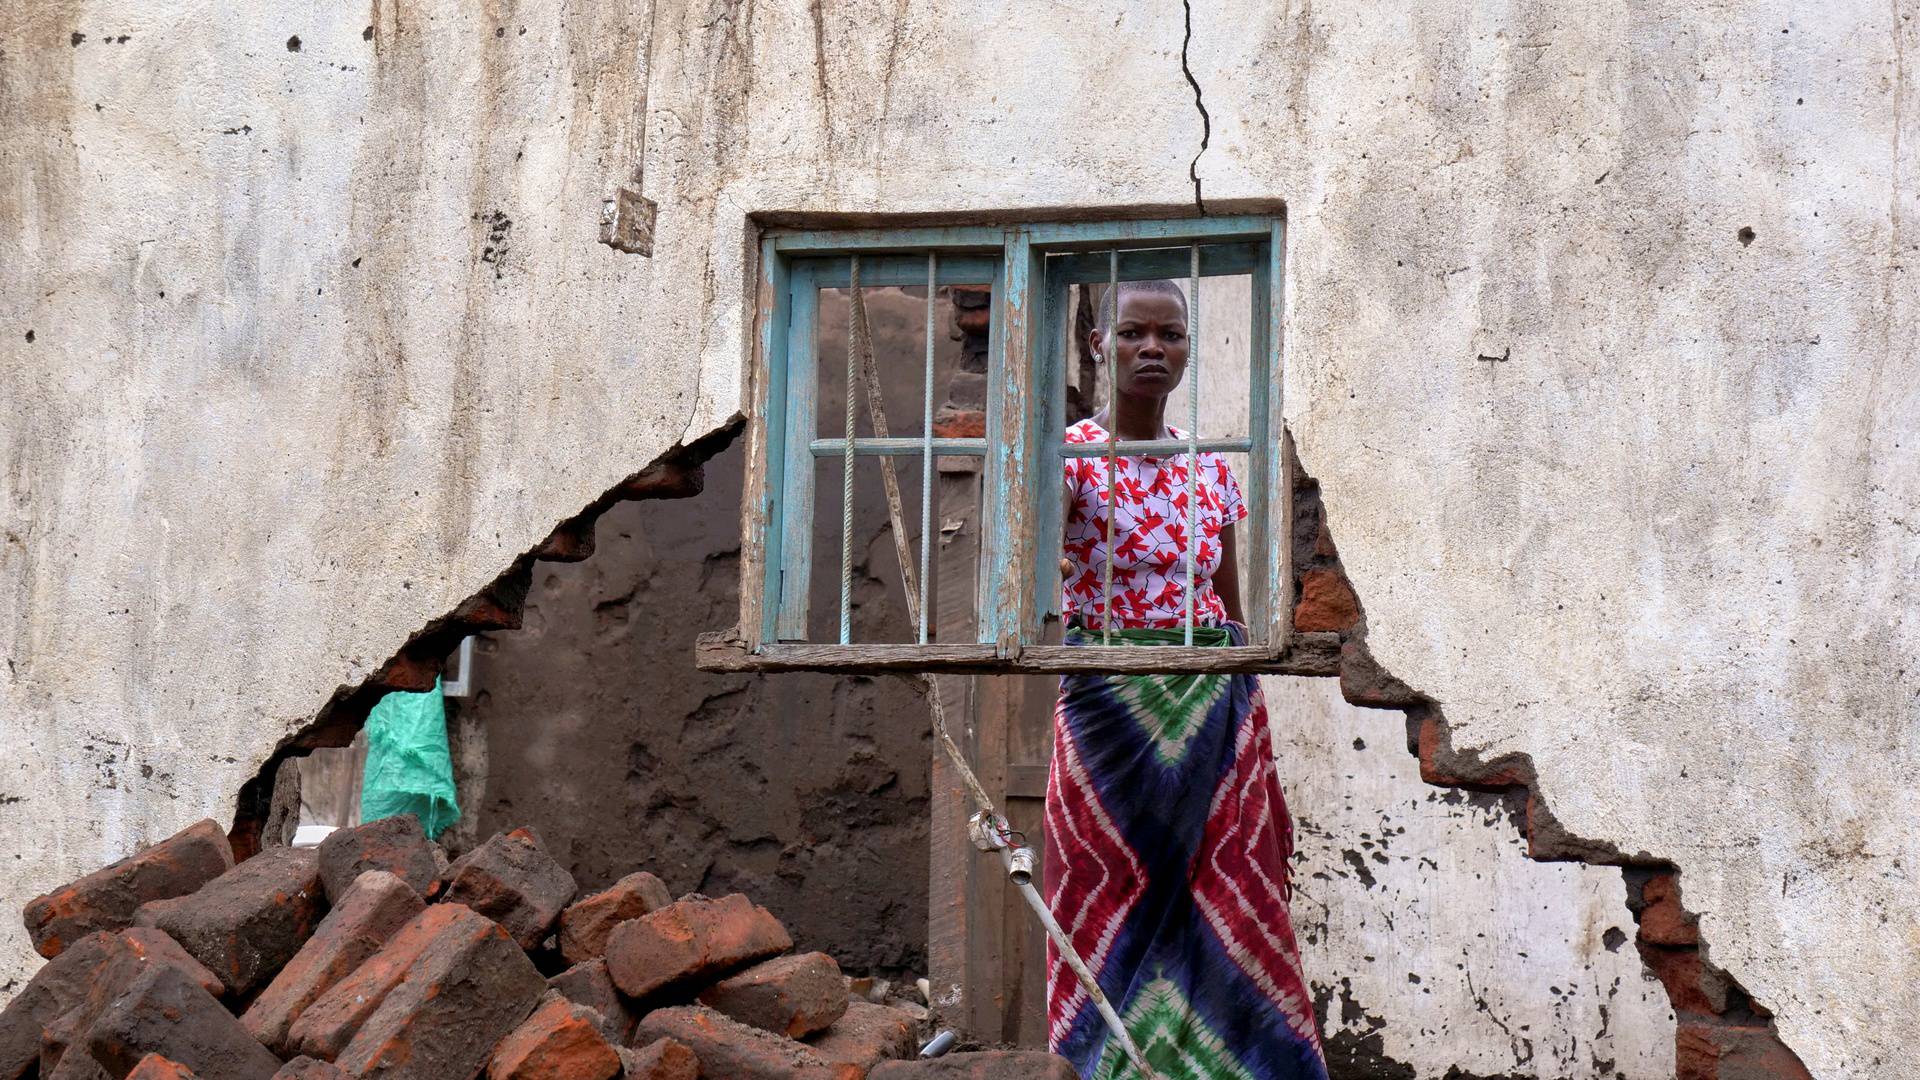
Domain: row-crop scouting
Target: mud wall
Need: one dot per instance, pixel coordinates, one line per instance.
(1598, 339)
(806, 792)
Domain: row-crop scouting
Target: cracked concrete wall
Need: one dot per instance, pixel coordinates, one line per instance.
(1664, 545)
(1432, 941)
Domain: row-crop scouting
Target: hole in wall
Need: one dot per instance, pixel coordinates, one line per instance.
(1719, 1029)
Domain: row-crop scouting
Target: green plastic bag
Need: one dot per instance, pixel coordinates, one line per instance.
(409, 769)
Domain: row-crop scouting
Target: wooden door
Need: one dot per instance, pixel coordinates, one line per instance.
(986, 951)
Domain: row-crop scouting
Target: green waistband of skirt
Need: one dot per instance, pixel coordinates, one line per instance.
(1212, 637)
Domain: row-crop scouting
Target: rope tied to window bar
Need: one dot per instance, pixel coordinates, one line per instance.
(846, 481)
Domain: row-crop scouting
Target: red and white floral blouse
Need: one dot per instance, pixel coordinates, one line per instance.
(1150, 519)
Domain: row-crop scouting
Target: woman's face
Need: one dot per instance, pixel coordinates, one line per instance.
(1151, 339)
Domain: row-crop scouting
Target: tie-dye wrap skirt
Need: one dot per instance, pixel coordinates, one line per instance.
(1168, 845)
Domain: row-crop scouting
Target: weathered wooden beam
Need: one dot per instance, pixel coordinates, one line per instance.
(1316, 654)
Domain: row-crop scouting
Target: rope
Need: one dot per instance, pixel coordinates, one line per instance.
(862, 346)
(846, 487)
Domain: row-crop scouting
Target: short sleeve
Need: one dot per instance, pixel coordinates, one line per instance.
(1233, 504)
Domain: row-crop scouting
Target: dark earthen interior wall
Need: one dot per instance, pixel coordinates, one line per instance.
(807, 792)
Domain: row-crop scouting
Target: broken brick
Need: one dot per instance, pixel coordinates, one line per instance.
(953, 423)
(79, 982)
(987, 1065)
(560, 1041)
(661, 1059)
(585, 925)
(866, 1035)
(57, 987)
(395, 844)
(165, 1012)
(464, 991)
(1326, 602)
(692, 938)
(155, 1067)
(1681, 973)
(793, 996)
(513, 881)
(1707, 1049)
(1663, 921)
(76, 1066)
(108, 898)
(731, 1049)
(570, 541)
(325, 1028)
(367, 915)
(63, 1051)
(306, 1068)
(590, 986)
(248, 922)
(152, 943)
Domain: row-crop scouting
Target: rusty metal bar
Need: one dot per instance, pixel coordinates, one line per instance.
(846, 478)
(1113, 436)
(1193, 434)
(926, 456)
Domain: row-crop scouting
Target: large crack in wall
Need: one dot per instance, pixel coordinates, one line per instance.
(1721, 1033)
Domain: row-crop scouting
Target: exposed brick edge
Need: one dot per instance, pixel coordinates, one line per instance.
(1722, 1033)
(676, 474)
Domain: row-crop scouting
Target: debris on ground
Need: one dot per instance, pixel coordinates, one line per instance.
(370, 957)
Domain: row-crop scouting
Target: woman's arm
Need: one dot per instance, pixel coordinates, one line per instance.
(1226, 580)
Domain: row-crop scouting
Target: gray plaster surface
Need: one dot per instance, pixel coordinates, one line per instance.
(1664, 545)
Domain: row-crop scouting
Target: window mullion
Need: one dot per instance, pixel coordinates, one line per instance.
(802, 404)
(1270, 607)
(1050, 353)
(768, 459)
(1279, 560)
(1007, 538)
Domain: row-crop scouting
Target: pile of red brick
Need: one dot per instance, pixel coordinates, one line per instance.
(372, 956)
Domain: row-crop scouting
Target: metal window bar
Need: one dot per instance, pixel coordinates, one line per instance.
(1227, 248)
(926, 455)
(1193, 433)
(846, 489)
(914, 447)
(1113, 436)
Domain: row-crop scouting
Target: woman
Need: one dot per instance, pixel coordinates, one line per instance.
(1168, 833)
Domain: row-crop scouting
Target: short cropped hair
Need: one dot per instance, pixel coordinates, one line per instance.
(1103, 315)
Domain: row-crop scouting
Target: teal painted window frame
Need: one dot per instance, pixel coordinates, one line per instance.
(1030, 267)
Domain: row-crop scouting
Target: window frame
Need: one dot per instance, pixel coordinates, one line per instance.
(1031, 265)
